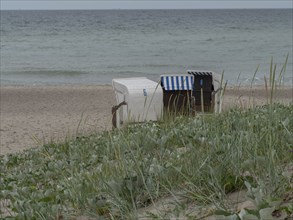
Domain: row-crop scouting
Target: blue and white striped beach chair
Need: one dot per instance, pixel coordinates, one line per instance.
(177, 92)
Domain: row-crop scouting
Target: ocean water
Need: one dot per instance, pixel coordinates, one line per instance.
(95, 46)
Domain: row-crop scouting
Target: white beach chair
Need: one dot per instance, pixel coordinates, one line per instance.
(138, 100)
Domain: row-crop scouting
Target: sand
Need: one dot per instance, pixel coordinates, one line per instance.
(31, 116)
(34, 115)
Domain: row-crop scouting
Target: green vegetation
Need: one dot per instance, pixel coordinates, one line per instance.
(115, 174)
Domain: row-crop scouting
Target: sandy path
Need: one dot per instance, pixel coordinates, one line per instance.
(31, 116)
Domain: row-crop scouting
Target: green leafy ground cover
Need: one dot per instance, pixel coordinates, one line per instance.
(113, 175)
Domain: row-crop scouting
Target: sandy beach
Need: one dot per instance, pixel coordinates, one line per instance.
(34, 115)
(31, 116)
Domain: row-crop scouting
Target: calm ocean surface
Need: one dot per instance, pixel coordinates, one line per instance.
(93, 47)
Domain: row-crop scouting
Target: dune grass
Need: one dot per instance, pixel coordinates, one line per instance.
(114, 174)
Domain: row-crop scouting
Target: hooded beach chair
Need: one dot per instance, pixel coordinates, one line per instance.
(177, 92)
(138, 100)
(206, 92)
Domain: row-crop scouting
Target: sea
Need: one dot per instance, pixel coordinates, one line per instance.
(95, 46)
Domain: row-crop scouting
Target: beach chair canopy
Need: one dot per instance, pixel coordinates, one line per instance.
(177, 82)
(202, 80)
(200, 73)
(132, 85)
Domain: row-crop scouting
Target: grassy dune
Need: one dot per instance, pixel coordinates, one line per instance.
(199, 160)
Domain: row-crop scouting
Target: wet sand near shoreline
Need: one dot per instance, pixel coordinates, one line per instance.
(33, 115)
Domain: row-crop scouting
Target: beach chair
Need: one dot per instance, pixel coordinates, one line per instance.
(177, 93)
(138, 100)
(206, 92)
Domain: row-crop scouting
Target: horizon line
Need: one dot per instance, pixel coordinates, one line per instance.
(121, 9)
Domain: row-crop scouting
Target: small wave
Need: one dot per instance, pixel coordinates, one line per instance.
(235, 28)
(241, 28)
(161, 65)
(130, 72)
(254, 81)
(51, 72)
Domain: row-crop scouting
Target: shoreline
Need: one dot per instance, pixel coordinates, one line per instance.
(32, 115)
(237, 84)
